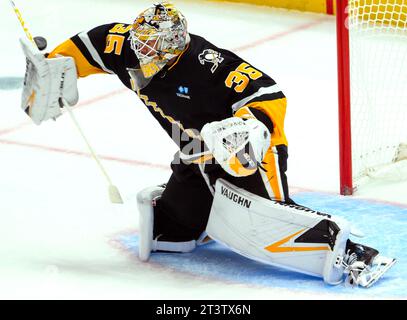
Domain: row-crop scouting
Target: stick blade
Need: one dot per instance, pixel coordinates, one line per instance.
(114, 195)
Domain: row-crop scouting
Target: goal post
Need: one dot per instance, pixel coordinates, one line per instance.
(372, 90)
(344, 110)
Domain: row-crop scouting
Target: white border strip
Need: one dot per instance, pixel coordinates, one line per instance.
(264, 90)
(86, 41)
(185, 246)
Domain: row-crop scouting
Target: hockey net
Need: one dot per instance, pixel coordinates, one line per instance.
(378, 89)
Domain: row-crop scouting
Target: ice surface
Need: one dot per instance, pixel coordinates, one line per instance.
(60, 236)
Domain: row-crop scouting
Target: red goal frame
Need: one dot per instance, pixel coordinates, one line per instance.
(344, 98)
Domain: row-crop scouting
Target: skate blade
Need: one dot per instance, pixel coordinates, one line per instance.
(377, 274)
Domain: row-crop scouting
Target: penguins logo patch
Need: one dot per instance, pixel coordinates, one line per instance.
(210, 56)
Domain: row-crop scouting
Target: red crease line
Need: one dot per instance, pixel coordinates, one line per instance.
(84, 154)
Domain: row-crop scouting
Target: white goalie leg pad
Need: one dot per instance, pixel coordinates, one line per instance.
(145, 202)
(333, 269)
(46, 82)
(287, 236)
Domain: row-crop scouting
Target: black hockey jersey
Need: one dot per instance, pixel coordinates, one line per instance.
(205, 84)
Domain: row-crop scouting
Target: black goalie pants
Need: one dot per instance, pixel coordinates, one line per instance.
(183, 210)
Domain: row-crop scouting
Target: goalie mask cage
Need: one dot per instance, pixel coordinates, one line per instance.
(372, 79)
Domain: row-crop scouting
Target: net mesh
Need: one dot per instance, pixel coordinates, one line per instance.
(378, 68)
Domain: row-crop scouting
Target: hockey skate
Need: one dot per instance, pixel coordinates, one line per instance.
(363, 265)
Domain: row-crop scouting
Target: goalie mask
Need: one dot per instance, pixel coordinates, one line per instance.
(158, 35)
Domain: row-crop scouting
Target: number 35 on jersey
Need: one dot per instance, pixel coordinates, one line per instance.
(241, 77)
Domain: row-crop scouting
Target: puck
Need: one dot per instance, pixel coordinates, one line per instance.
(41, 42)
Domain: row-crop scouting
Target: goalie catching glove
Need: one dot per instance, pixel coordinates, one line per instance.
(238, 145)
(46, 83)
